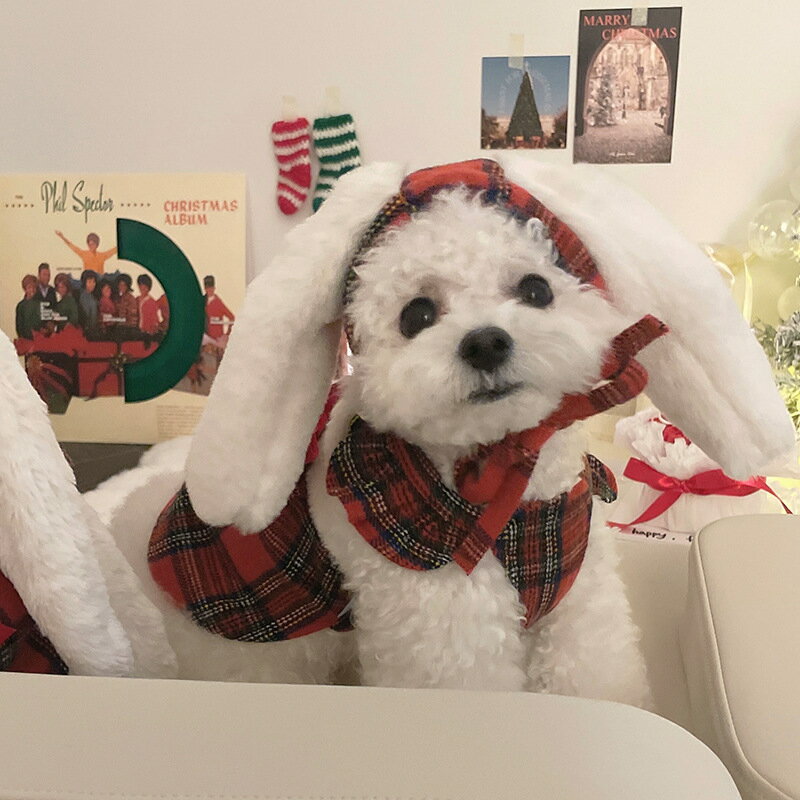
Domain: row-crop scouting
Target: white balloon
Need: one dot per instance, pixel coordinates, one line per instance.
(774, 231)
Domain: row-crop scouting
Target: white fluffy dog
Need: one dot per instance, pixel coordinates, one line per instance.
(457, 267)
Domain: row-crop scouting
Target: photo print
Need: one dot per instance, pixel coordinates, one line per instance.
(626, 85)
(525, 106)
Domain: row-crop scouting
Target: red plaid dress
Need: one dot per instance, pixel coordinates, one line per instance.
(281, 583)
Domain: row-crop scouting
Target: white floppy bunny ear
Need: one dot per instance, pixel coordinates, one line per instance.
(708, 375)
(50, 543)
(249, 448)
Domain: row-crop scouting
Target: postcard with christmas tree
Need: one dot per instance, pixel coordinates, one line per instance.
(119, 293)
(626, 85)
(524, 102)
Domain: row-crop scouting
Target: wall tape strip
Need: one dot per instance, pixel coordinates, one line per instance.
(516, 51)
(333, 101)
(289, 107)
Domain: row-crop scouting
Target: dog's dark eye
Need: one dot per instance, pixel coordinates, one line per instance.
(417, 315)
(534, 290)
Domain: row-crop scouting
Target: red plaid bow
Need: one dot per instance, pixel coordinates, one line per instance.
(508, 466)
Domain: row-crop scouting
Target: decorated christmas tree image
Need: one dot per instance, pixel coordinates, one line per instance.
(524, 106)
(604, 100)
(525, 123)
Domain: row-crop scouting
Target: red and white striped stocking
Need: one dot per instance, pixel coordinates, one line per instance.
(290, 140)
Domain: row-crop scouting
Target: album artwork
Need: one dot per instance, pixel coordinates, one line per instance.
(524, 102)
(119, 293)
(626, 85)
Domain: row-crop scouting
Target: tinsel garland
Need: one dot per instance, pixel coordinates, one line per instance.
(782, 346)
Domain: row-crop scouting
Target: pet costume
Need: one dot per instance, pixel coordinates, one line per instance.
(281, 583)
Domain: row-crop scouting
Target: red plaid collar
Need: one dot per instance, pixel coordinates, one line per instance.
(396, 499)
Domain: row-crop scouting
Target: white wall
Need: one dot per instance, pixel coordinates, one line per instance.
(194, 85)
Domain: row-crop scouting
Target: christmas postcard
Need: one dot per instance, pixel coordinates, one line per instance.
(119, 293)
(626, 85)
(524, 102)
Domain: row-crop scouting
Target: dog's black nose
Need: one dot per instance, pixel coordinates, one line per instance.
(486, 348)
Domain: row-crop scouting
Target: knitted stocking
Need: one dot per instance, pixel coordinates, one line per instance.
(291, 149)
(337, 150)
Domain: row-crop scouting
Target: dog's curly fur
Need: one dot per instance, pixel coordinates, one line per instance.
(444, 628)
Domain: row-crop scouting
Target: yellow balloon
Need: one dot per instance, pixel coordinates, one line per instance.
(770, 279)
(728, 260)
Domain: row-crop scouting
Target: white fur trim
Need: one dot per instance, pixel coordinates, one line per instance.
(141, 620)
(46, 546)
(709, 375)
(250, 443)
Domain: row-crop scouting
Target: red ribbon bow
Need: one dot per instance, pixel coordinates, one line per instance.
(501, 481)
(712, 482)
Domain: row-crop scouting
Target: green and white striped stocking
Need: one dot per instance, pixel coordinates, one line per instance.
(337, 150)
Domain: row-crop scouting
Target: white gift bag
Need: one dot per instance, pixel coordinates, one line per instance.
(671, 484)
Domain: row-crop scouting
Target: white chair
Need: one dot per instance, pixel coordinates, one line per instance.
(741, 648)
(723, 647)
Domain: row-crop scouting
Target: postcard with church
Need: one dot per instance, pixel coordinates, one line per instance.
(119, 293)
(524, 102)
(626, 85)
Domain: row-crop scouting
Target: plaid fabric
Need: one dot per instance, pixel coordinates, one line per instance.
(23, 647)
(397, 501)
(262, 587)
(624, 377)
(543, 545)
(281, 583)
(499, 473)
(480, 175)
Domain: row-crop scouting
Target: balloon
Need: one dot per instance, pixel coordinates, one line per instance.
(769, 281)
(728, 260)
(789, 302)
(774, 231)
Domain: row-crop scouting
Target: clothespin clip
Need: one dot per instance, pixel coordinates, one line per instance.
(639, 17)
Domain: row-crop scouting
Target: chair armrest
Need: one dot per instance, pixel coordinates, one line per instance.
(74, 738)
(740, 640)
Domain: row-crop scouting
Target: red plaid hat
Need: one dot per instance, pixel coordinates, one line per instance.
(478, 176)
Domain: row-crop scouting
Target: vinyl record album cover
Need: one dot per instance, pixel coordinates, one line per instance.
(119, 293)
